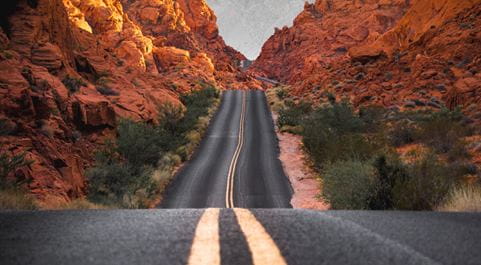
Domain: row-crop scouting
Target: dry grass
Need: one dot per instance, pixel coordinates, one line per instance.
(13, 199)
(463, 199)
(81, 204)
(276, 103)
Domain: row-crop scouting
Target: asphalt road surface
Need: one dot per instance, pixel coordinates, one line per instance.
(237, 162)
(238, 236)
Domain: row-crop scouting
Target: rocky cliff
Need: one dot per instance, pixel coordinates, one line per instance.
(70, 68)
(399, 54)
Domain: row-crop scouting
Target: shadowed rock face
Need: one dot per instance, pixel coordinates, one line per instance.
(389, 53)
(247, 24)
(69, 69)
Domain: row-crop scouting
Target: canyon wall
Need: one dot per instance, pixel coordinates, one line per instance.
(398, 54)
(69, 69)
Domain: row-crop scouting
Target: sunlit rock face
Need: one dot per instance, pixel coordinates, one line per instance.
(70, 69)
(247, 24)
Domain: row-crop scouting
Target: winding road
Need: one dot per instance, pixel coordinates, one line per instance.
(237, 162)
(233, 174)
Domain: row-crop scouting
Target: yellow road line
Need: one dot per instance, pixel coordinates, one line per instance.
(264, 250)
(205, 248)
(229, 195)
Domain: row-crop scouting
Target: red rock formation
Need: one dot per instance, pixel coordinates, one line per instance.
(399, 54)
(116, 59)
(323, 33)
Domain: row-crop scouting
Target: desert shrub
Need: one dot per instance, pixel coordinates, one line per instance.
(373, 118)
(339, 118)
(281, 93)
(16, 199)
(197, 105)
(124, 175)
(389, 171)
(73, 84)
(348, 184)
(139, 143)
(336, 133)
(107, 91)
(119, 183)
(169, 116)
(81, 204)
(12, 194)
(425, 186)
(442, 130)
(386, 183)
(466, 198)
(402, 133)
(293, 114)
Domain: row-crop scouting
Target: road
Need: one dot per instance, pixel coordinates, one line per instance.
(237, 162)
(238, 236)
(234, 171)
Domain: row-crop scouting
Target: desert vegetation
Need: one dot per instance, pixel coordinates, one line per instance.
(375, 158)
(13, 195)
(133, 170)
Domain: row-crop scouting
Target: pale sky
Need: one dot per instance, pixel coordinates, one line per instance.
(247, 24)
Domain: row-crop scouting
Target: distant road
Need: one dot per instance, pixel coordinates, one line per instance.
(267, 80)
(237, 162)
(238, 236)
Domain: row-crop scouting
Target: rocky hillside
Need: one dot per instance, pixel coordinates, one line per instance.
(70, 68)
(395, 53)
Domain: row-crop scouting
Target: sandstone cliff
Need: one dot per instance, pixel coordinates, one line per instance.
(70, 68)
(399, 54)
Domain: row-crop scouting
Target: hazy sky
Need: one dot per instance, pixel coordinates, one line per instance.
(247, 24)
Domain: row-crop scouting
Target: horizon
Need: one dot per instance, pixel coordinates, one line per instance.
(237, 31)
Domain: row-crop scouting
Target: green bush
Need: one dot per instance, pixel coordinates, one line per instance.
(389, 172)
(197, 105)
(442, 130)
(373, 118)
(120, 184)
(338, 117)
(402, 133)
(386, 183)
(425, 186)
(336, 133)
(348, 184)
(139, 143)
(293, 114)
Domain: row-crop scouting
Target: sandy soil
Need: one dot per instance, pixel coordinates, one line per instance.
(302, 178)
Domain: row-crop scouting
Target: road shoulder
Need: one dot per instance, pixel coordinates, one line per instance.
(303, 179)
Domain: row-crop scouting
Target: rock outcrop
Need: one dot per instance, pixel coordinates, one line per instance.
(70, 68)
(399, 54)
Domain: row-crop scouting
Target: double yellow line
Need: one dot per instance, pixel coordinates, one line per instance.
(229, 194)
(205, 248)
